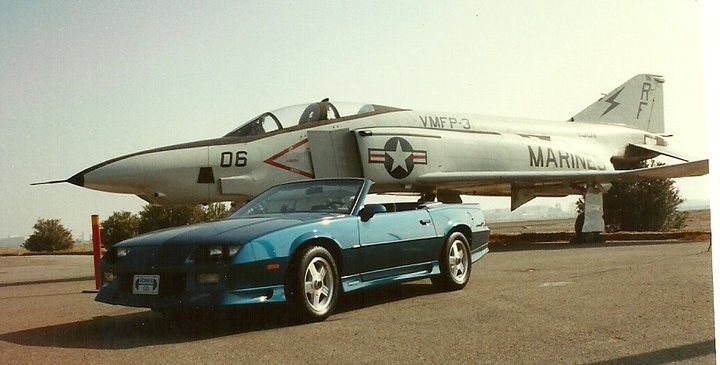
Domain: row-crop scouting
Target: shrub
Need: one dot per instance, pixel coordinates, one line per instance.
(118, 227)
(49, 235)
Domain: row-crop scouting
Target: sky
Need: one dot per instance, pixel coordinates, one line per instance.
(83, 82)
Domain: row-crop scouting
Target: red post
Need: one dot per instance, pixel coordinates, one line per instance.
(96, 248)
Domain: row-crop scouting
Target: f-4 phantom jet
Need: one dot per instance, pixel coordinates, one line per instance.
(440, 155)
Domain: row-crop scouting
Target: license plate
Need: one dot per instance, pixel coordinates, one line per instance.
(146, 284)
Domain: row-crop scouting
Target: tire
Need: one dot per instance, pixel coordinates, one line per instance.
(455, 263)
(314, 285)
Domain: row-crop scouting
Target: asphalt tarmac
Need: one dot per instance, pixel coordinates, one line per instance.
(626, 302)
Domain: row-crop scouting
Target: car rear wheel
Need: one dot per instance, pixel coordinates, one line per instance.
(315, 285)
(455, 263)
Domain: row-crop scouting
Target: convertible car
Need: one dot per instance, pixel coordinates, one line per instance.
(303, 243)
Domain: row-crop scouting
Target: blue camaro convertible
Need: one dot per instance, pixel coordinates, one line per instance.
(303, 243)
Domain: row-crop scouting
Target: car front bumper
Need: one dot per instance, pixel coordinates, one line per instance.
(174, 292)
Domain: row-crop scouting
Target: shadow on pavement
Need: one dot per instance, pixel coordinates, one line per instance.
(528, 246)
(384, 294)
(666, 356)
(47, 281)
(150, 328)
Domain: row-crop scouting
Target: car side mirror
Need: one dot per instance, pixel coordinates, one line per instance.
(370, 210)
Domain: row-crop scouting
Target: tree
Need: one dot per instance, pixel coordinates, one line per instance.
(118, 227)
(158, 217)
(49, 235)
(212, 212)
(647, 205)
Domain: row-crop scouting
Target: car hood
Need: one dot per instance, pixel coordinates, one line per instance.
(229, 231)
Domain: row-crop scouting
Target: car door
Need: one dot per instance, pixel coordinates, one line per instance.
(391, 241)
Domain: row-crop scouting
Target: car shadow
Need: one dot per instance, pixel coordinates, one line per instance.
(149, 328)
(530, 246)
(385, 294)
(125, 331)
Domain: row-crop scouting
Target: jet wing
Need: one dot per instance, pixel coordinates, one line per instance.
(554, 183)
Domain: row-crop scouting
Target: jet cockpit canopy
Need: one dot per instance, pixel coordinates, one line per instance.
(303, 114)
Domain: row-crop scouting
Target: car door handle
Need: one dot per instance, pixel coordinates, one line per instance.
(424, 222)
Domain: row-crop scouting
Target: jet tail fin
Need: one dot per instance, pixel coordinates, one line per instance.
(638, 103)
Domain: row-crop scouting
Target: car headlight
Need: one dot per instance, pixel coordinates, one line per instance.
(115, 253)
(108, 277)
(216, 253)
(121, 252)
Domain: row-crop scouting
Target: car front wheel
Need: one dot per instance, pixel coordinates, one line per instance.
(455, 263)
(315, 285)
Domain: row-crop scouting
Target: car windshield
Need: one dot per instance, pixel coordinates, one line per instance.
(303, 114)
(327, 196)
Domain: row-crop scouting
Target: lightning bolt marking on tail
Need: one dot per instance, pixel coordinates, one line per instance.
(612, 102)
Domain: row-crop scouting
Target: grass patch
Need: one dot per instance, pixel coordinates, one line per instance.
(78, 249)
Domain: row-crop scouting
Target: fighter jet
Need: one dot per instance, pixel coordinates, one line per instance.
(440, 155)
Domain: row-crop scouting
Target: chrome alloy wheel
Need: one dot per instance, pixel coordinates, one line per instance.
(319, 284)
(455, 263)
(458, 261)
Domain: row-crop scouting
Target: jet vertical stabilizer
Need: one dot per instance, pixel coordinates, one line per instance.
(638, 103)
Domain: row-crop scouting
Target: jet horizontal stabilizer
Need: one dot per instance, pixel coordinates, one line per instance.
(661, 150)
(688, 169)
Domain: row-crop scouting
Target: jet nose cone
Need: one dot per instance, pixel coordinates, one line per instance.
(78, 179)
